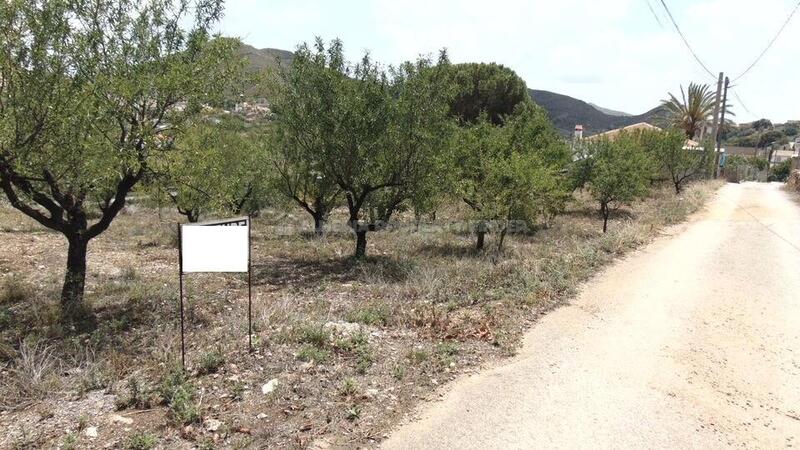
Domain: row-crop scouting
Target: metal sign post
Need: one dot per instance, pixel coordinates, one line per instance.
(215, 251)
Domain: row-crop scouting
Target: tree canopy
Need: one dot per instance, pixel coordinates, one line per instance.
(491, 89)
(85, 108)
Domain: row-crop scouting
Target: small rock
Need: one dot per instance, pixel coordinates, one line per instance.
(212, 425)
(344, 329)
(116, 418)
(91, 432)
(371, 394)
(261, 416)
(269, 386)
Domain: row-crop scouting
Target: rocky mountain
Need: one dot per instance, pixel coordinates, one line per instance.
(564, 111)
(610, 111)
(265, 58)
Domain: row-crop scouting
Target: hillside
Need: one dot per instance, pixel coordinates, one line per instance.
(610, 111)
(265, 58)
(564, 111)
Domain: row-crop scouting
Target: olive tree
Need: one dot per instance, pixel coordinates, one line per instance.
(618, 173)
(90, 91)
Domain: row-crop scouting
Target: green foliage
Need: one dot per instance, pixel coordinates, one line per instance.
(378, 130)
(485, 89)
(313, 334)
(780, 172)
(210, 362)
(618, 173)
(768, 138)
(512, 172)
(693, 110)
(140, 440)
(216, 166)
(85, 109)
(370, 315)
(178, 392)
(313, 354)
(669, 152)
(303, 98)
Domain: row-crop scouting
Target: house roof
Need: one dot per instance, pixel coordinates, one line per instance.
(612, 134)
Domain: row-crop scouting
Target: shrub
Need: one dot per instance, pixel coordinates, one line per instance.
(14, 291)
(370, 315)
(139, 396)
(312, 353)
(182, 409)
(177, 392)
(313, 334)
(780, 172)
(140, 441)
(348, 388)
(210, 362)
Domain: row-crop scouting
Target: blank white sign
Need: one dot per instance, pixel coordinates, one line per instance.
(214, 248)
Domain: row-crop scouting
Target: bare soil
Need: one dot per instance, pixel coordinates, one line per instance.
(354, 345)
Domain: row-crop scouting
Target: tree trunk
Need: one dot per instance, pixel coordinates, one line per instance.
(480, 229)
(605, 212)
(361, 243)
(319, 224)
(479, 243)
(678, 187)
(73, 310)
(502, 238)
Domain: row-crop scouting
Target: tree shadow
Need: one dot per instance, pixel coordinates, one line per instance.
(591, 213)
(306, 273)
(451, 250)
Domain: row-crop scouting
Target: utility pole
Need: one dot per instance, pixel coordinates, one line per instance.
(716, 124)
(721, 124)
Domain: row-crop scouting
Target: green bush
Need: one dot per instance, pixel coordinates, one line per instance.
(140, 441)
(370, 315)
(781, 171)
(312, 353)
(313, 334)
(178, 392)
(210, 362)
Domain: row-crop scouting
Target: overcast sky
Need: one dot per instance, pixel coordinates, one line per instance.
(613, 53)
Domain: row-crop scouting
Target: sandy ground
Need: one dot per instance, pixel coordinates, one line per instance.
(693, 342)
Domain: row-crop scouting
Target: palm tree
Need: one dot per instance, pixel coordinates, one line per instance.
(692, 111)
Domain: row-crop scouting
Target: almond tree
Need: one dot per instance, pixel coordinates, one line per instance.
(511, 173)
(216, 166)
(303, 99)
(90, 91)
(371, 133)
(618, 173)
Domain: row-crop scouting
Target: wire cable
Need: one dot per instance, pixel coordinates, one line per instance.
(777, 35)
(653, 11)
(746, 109)
(686, 42)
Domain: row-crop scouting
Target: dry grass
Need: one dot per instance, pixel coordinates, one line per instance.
(354, 344)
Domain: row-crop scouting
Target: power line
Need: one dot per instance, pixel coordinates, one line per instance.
(746, 109)
(777, 35)
(686, 42)
(655, 16)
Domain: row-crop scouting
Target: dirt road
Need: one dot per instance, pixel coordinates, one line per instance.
(693, 342)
